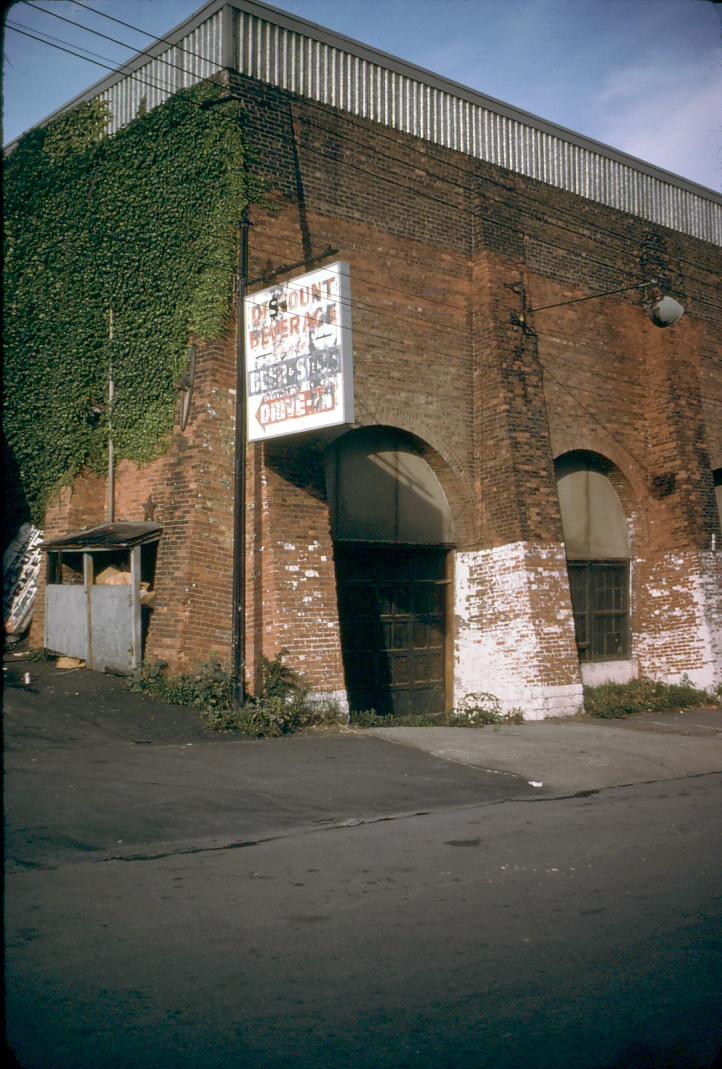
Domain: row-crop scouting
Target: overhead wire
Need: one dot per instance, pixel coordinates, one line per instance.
(137, 29)
(539, 216)
(615, 378)
(380, 132)
(498, 184)
(356, 303)
(391, 345)
(593, 416)
(446, 328)
(131, 74)
(97, 63)
(117, 40)
(51, 39)
(377, 133)
(447, 305)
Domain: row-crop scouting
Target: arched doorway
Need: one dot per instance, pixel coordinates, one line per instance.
(392, 535)
(596, 539)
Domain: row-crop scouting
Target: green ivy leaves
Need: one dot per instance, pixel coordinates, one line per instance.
(144, 222)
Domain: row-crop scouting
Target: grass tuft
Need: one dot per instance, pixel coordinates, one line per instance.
(614, 701)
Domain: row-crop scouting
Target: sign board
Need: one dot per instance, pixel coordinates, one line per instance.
(299, 363)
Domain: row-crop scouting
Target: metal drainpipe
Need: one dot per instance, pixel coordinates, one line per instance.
(110, 508)
(239, 511)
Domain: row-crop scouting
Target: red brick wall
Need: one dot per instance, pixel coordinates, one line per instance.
(438, 245)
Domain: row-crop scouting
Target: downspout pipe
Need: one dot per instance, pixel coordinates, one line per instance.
(110, 505)
(240, 453)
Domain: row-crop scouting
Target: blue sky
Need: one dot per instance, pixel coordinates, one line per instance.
(642, 75)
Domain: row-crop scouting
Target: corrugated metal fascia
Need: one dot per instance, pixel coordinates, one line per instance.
(375, 57)
(507, 136)
(456, 89)
(402, 95)
(102, 88)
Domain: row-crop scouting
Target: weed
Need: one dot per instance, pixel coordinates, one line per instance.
(475, 710)
(210, 688)
(480, 708)
(282, 708)
(614, 701)
(514, 716)
(279, 680)
(269, 717)
(369, 718)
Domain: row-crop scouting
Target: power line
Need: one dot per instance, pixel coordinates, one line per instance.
(116, 40)
(593, 416)
(97, 63)
(575, 232)
(446, 328)
(615, 379)
(379, 131)
(137, 29)
(349, 116)
(613, 269)
(377, 309)
(52, 40)
(376, 132)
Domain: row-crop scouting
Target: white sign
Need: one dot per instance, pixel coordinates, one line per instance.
(299, 362)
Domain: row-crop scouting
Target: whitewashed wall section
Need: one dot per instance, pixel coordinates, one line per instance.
(682, 635)
(502, 645)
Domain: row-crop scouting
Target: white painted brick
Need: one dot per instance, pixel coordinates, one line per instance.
(502, 645)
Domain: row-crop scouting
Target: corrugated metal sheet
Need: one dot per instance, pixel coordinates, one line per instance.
(343, 74)
(194, 57)
(315, 69)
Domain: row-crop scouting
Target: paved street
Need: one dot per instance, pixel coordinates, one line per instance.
(175, 898)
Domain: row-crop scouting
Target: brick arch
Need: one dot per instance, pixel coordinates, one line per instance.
(448, 462)
(628, 482)
(457, 495)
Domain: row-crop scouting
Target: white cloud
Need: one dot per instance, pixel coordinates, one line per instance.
(666, 114)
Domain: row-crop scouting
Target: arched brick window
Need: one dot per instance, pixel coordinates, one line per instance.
(596, 540)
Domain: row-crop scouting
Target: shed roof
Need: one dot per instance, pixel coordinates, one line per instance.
(107, 536)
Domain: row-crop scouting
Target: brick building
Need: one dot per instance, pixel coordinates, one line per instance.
(528, 496)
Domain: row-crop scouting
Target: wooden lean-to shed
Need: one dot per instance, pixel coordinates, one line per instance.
(99, 581)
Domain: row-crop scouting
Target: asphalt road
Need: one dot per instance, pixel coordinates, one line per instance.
(196, 902)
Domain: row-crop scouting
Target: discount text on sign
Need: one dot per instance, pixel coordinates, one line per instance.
(299, 363)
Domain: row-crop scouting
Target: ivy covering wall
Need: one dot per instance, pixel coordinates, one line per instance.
(143, 223)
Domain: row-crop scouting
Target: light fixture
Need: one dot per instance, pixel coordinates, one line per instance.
(665, 312)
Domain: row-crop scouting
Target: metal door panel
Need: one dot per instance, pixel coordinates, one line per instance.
(112, 628)
(393, 624)
(66, 620)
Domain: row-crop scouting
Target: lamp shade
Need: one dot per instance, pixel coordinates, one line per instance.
(666, 312)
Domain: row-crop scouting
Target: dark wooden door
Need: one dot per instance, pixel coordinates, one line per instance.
(392, 608)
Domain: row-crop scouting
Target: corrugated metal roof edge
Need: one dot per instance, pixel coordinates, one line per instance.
(121, 534)
(384, 59)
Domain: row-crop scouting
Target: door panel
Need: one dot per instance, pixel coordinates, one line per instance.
(392, 607)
